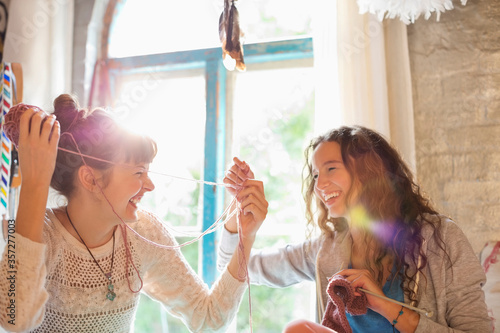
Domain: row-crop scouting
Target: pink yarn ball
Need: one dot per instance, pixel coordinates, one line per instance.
(12, 120)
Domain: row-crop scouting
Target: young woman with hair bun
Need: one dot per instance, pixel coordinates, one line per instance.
(76, 268)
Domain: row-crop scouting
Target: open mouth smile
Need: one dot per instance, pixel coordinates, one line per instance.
(328, 196)
(135, 200)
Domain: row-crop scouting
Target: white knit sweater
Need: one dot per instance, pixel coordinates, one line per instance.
(57, 286)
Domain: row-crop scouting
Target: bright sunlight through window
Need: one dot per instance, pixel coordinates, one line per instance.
(157, 26)
(269, 117)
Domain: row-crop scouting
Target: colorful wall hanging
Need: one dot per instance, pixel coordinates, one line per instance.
(6, 146)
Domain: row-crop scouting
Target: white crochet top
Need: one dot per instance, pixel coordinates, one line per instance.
(57, 286)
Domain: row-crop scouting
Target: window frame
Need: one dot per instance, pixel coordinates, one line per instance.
(217, 108)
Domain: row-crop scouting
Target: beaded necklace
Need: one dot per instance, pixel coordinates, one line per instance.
(111, 294)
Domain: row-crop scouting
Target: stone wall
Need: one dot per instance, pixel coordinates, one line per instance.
(455, 66)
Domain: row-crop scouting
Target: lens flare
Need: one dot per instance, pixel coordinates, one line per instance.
(383, 230)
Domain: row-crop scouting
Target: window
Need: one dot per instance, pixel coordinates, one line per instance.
(270, 131)
(167, 78)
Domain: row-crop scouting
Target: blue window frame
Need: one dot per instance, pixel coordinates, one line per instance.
(210, 60)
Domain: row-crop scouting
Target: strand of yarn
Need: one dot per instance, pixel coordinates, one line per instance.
(128, 256)
(11, 129)
(211, 229)
(243, 270)
(125, 226)
(124, 234)
(150, 171)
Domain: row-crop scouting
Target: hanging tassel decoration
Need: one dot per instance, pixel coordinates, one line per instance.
(229, 34)
(407, 10)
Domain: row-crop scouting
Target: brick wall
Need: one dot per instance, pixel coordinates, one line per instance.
(455, 66)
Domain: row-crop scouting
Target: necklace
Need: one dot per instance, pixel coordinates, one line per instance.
(111, 294)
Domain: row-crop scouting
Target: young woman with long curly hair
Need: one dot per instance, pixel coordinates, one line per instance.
(381, 234)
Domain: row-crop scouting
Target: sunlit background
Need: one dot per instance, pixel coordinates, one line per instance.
(157, 26)
(270, 122)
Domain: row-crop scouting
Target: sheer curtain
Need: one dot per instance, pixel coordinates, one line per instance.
(40, 37)
(363, 73)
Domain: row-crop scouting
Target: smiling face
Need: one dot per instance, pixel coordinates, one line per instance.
(332, 181)
(126, 187)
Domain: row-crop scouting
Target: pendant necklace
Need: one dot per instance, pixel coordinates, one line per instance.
(111, 294)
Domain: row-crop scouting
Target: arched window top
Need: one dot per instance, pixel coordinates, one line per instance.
(142, 27)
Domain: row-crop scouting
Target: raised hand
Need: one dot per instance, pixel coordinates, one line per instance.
(236, 175)
(38, 138)
(252, 207)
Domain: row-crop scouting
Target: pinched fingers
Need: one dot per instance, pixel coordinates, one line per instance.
(238, 172)
(259, 212)
(235, 176)
(244, 167)
(354, 275)
(231, 180)
(362, 278)
(251, 188)
(252, 199)
(231, 185)
(251, 219)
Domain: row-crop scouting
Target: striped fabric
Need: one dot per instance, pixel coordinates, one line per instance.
(6, 146)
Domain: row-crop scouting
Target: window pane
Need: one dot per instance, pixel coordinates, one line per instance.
(172, 111)
(158, 26)
(266, 20)
(273, 121)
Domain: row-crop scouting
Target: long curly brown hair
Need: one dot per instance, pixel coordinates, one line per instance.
(390, 197)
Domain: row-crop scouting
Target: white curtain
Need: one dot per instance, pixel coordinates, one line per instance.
(363, 74)
(40, 37)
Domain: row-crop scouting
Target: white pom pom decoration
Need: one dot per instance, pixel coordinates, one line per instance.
(407, 10)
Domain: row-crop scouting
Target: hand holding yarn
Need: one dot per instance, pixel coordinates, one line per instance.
(234, 178)
(37, 136)
(252, 205)
(236, 175)
(362, 278)
(13, 118)
(342, 298)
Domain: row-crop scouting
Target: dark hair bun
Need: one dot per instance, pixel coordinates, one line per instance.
(67, 111)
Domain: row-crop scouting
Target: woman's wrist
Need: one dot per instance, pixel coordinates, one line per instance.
(390, 311)
(401, 318)
(230, 229)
